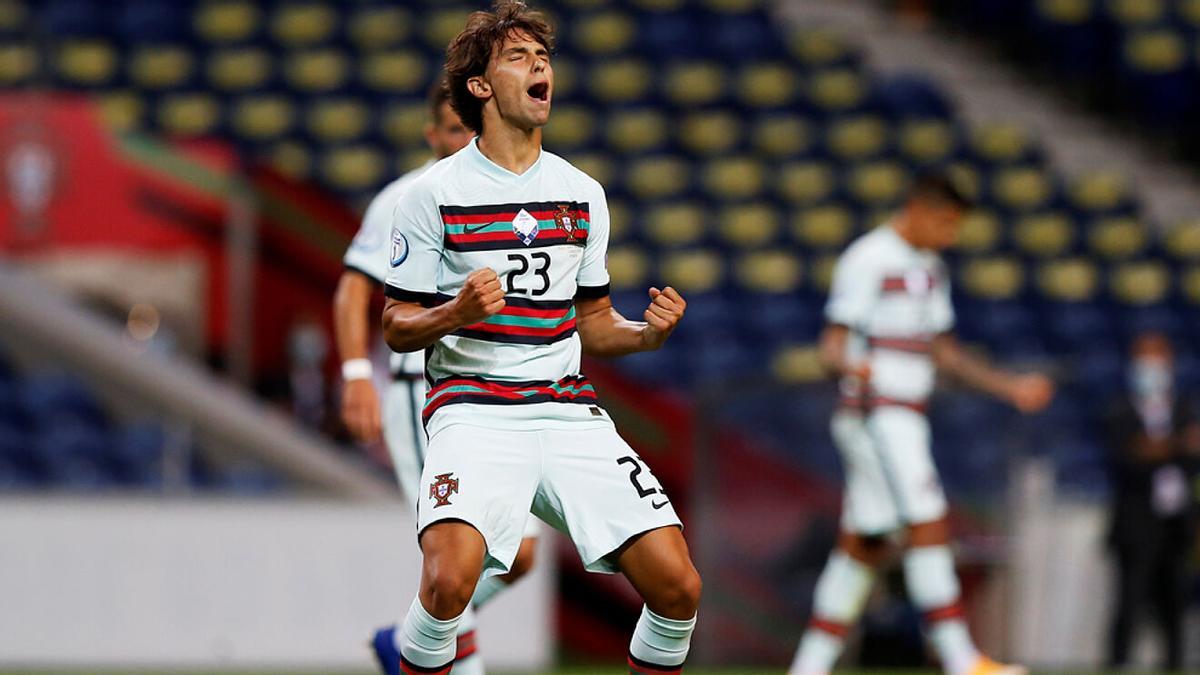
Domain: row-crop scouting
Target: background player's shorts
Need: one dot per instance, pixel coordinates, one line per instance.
(586, 482)
(891, 481)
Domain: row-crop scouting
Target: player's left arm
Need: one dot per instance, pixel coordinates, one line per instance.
(1028, 392)
(604, 332)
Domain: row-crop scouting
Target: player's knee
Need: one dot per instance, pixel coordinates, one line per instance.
(449, 589)
(679, 598)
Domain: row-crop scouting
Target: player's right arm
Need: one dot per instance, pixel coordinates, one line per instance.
(853, 293)
(360, 401)
(831, 351)
(410, 325)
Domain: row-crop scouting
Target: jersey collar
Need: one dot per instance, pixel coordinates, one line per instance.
(492, 169)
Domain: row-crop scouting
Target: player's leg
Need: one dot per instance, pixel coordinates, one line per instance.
(478, 487)
(868, 512)
(488, 588)
(596, 489)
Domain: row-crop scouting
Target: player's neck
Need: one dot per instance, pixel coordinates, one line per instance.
(904, 229)
(509, 147)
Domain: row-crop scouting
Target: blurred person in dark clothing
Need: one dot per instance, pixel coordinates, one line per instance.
(1155, 437)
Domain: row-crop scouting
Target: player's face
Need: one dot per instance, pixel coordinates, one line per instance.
(447, 134)
(938, 224)
(522, 81)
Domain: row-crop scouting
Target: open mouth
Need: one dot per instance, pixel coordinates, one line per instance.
(539, 91)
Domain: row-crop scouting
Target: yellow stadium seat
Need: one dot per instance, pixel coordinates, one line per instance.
(353, 168)
(837, 89)
(604, 33)
(620, 218)
(1156, 50)
(658, 5)
(734, 178)
(1183, 241)
(628, 268)
(404, 124)
(829, 226)
(18, 64)
(440, 27)
(394, 72)
(379, 27)
(13, 16)
(695, 83)
(1022, 188)
(880, 184)
(1117, 238)
(596, 165)
(693, 271)
(292, 159)
(805, 182)
(620, 81)
(770, 271)
(821, 272)
(410, 159)
(927, 141)
(239, 68)
(571, 127)
(160, 66)
(188, 114)
(86, 62)
(226, 21)
(657, 177)
(338, 119)
(732, 6)
(1067, 12)
(1137, 12)
(857, 137)
(1001, 142)
(1189, 11)
(1045, 234)
(566, 77)
(1068, 280)
(1140, 283)
(767, 85)
(1099, 190)
(317, 70)
(585, 4)
(636, 130)
(303, 24)
(798, 364)
(1189, 284)
(817, 48)
(675, 224)
(967, 178)
(980, 232)
(711, 132)
(782, 136)
(262, 117)
(748, 225)
(122, 110)
(993, 277)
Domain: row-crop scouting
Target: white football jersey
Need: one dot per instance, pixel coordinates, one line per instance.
(369, 252)
(895, 299)
(545, 233)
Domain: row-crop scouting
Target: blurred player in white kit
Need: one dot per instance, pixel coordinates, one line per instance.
(889, 318)
(367, 262)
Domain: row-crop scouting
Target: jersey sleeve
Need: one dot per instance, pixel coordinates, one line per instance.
(368, 252)
(415, 256)
(592, 279)
(854, 290)
(941, 314)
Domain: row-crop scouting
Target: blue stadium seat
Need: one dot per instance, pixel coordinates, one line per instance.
(74, 18)
(139, 21)
(52, 400)
(911, 96)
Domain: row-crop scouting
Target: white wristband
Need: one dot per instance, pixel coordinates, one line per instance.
(356, 369)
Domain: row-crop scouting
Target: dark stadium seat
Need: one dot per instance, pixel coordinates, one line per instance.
(53, 399)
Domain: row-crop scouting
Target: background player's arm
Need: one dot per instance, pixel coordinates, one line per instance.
(411, 326)
(832, 353)
(360, 401)
(604, 332)
(1027, 392)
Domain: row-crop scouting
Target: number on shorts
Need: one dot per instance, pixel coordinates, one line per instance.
(643, 492)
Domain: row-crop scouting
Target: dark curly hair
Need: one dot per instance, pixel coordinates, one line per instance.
(471, 50)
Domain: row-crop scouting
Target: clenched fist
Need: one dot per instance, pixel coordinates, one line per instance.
(1031, 393)
(663, 314)
(480, 297)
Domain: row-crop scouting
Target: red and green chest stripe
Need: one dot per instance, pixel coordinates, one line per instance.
(465, 389)
(515, 226)
(524, 321)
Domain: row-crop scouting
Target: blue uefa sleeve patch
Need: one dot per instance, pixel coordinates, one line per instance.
(399, 248)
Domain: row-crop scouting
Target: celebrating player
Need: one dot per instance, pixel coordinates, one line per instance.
(889, 317)
(498, 269)
(367, 264)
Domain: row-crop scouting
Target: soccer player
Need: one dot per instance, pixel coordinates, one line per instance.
(367, 263)
(889, 320)
(499, 272)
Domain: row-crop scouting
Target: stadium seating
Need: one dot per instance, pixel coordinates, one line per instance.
(738, 158)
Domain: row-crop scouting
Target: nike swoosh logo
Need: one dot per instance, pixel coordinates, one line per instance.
(467, 229)
(661, 504)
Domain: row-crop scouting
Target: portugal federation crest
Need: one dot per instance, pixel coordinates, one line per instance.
(567, 220)
(441, 488)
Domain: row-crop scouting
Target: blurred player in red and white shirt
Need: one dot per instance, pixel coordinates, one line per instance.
(889, 320)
